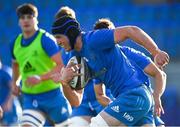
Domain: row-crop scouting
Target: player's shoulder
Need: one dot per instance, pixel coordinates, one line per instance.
(100, 35)
(48, 39)
(47, 36)
(98, 32)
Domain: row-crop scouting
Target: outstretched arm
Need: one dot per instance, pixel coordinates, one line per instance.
(141, 38)
(151, 69)
(160, 85)
(1, 112)
(15, 76)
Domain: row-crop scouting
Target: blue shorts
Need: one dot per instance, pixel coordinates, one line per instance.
(87, 108)
(133, 107)
(53, 104)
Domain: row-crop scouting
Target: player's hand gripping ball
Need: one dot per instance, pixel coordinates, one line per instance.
(78, 82)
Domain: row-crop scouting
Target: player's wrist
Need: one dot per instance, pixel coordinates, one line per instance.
(45, 77)
(64, 83)
(156, 95)
(38, 77)
(155, 52)
(41, 77)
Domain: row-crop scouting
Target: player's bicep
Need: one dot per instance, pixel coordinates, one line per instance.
(121, 34)
(49, 45)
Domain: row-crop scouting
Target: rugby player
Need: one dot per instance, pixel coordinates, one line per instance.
(111, 67)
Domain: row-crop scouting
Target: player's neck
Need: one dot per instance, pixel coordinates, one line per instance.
(78, 44)
(28, 34)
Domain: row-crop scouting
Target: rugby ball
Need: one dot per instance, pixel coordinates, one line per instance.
(79, 82)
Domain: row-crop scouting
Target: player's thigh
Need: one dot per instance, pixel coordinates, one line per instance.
(32, 117)
(78, 121)
(81, 116)
(105, 120)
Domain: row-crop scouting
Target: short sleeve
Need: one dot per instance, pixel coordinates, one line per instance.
(97, 81)
(138, 57)
(100, 39)
(49, 44)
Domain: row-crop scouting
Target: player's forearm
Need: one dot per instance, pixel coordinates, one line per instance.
(103, 100)
(48, 75)
(15, 69)
(1, 112)
(143, 39)
(73, 96)
(57, 69)
(160, 84)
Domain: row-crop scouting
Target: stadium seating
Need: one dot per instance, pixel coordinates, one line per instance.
(159, 21)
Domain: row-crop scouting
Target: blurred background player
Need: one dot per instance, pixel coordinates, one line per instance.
(92, 47)
(1, 113)
(7, 100)
(36, 58)
(138, 59)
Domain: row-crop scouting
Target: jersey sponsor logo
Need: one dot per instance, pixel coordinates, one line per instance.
(28, 67)
(115, 108)
(128, 117)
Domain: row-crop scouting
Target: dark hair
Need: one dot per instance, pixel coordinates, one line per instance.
(65, 11)
(103, 23)
(26, 8)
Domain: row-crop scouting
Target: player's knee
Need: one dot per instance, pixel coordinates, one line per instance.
(63, 124)
(98, 121)
(78, 121)
(32, 118)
